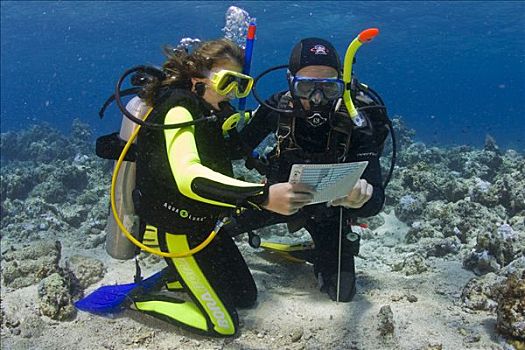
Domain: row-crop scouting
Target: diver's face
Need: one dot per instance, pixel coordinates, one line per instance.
(210, 95)
(315, 72)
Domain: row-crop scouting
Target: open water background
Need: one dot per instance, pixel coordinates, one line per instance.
(454, 70)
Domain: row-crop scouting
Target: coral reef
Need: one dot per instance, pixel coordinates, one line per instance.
(39, 143)
(413, 264)
(479, 292)
(439, 247)
(511, 308)
(410, 207)
(54, 187)
(55, 296)
(468, 204)
(386, 321)
(494, 249)
(86, 270)
(462, 204)
(29, 265)
(53, 195)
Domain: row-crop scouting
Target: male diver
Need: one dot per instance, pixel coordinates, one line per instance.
(311, 125)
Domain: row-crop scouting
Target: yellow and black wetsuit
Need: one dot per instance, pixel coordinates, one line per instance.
(185, 183)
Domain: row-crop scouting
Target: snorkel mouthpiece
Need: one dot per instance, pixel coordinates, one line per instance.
(365, 36)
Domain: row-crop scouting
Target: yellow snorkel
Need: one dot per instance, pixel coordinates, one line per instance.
(363, 37)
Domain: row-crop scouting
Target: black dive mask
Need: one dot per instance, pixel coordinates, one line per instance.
(317, 90)
(321, 94)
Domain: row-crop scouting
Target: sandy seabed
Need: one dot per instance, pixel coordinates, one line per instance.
(291, 313)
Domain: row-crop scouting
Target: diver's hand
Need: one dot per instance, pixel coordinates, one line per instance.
(360, 194)
(286, 198)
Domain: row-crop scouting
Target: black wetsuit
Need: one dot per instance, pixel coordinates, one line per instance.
(321, 144)
(185, 184)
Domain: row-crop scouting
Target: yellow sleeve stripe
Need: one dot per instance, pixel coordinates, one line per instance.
(185, 161)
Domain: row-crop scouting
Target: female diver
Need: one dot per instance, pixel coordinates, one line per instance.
(185, 184)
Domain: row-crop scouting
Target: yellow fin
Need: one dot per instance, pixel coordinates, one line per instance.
(284, 247)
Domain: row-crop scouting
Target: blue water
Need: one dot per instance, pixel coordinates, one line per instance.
(454, 70)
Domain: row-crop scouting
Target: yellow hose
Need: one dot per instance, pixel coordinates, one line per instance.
(121, 225)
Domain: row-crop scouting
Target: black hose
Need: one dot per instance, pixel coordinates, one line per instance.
(259, 99)
(392, 135)
(159, 74)
(127, 92)
(394, 153)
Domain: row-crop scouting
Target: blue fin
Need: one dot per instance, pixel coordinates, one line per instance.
(113, 299)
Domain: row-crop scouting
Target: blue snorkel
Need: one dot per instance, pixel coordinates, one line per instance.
(250, 38)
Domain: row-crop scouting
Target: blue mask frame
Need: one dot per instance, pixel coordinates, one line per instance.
(305, 87)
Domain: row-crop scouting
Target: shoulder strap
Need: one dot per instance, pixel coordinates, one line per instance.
(176, 97)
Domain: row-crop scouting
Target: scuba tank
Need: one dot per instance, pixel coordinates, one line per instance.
(117, 245)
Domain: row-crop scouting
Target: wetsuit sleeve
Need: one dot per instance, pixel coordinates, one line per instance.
(198, 182)
(366, 148)
(373, 176)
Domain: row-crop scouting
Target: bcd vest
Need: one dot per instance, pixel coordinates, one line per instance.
(160, 202)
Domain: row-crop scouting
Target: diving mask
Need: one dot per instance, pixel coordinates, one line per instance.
(330, 88)
(226, 82)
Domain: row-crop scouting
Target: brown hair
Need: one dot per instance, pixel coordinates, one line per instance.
(181, 66)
